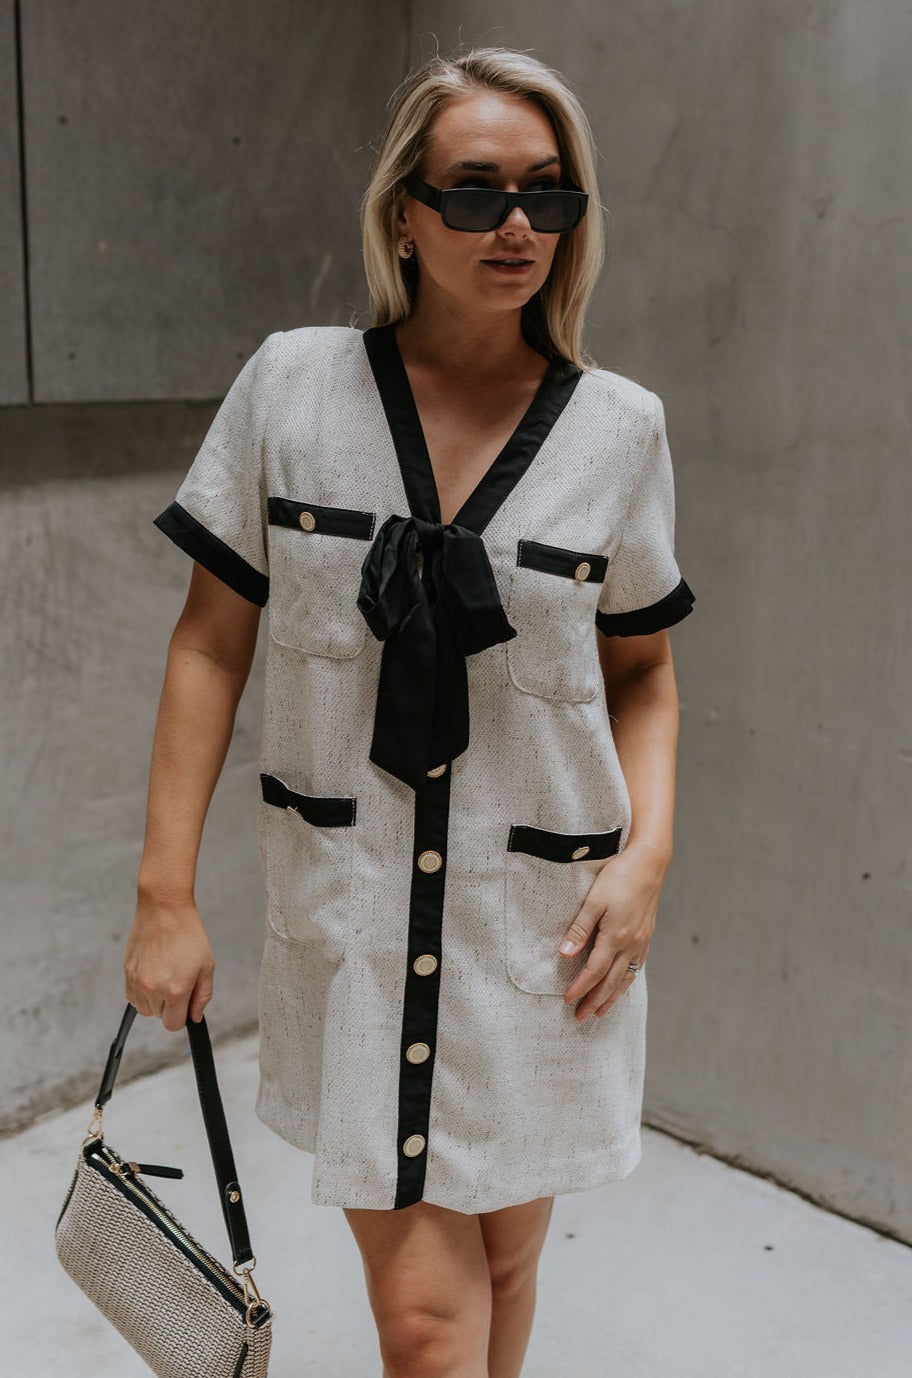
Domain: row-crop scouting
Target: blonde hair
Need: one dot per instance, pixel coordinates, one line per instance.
(553, 318)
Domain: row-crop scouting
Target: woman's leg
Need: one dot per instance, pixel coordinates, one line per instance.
(429, 1288)
(513, 1240)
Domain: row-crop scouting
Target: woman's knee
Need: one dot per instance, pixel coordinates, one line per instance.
(428, 1286)
(425, 1343)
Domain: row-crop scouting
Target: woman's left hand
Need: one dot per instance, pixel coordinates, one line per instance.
(622, 902)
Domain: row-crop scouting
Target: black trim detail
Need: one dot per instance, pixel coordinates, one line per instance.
(213, 554)
(555, 559)
(432, 795)
(242, 1359)
(432, 617)
(642, 621)
(421, 997)
(554, 392)
(324, 812)
(552, 846)
(331, 521)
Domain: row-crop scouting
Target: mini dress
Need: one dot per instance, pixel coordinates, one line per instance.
(439, 784)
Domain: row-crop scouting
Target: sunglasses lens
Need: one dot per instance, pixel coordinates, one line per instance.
(476, 208)
(554, 212)
(472, 208)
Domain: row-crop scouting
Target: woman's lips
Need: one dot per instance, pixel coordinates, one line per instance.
(512, 267)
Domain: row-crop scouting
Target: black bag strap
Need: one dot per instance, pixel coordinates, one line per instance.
(213, 1118)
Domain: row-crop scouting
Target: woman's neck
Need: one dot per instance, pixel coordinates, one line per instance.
(466, 346)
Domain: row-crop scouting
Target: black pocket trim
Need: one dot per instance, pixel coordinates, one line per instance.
(556, 559)
(643, 621)
(330, 521)
(213, 554)
(553, 846)
(332, 812)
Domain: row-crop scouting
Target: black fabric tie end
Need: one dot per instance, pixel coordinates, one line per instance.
(429, 594)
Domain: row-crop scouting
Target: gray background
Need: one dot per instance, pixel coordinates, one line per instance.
(191, 182)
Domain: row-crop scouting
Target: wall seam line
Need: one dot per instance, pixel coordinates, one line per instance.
(23, 205)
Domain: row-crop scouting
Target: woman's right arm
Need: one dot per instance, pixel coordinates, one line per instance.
(168, 962)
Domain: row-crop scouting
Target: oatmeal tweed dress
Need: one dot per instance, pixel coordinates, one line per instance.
(439, 781)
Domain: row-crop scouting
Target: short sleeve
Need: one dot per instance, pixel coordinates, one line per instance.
(643, 589)
(219, 513)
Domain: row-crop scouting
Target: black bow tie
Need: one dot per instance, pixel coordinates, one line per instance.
(428, 592)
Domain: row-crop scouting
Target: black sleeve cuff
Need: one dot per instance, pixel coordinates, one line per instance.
(643, 621)
(213, 554)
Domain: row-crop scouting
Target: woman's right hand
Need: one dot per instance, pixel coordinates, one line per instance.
(168, 963)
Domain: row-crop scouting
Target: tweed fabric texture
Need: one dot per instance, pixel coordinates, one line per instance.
(173, 1316)
(525, 1102)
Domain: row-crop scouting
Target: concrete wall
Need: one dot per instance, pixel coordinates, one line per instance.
(206, 161)
(90, 593)
(756, 173)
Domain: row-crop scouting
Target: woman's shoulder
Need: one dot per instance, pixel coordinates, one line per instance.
(305, 355)
(624, 413)
(604, 388)
(321, 340)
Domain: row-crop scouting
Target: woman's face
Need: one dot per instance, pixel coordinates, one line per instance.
(487, 139)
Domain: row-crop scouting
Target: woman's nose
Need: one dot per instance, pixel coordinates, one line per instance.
(516, 220)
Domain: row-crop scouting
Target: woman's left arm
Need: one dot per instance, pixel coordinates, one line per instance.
(623, 899)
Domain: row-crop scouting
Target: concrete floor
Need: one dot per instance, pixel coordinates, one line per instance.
(687, 1269)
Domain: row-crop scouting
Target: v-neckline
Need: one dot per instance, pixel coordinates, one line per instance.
(505, 470)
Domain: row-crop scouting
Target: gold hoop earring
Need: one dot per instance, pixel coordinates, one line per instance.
(406, 247)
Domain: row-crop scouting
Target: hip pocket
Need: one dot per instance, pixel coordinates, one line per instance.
(553, 599)
(548, 877)
(315, 559)
(307, 849)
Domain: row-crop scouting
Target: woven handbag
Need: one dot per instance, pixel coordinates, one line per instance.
(183, 1312)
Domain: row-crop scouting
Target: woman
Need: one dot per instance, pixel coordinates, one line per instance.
(464, 533)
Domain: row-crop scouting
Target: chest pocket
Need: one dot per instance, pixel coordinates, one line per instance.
(552, 603)
(315, 559)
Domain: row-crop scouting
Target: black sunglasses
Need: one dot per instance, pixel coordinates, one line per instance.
(476, 209)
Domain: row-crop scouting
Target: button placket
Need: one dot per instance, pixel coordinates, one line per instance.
(418, 1046)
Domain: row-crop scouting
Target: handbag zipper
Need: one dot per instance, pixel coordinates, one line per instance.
(121, 1172)
(155, 1170)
